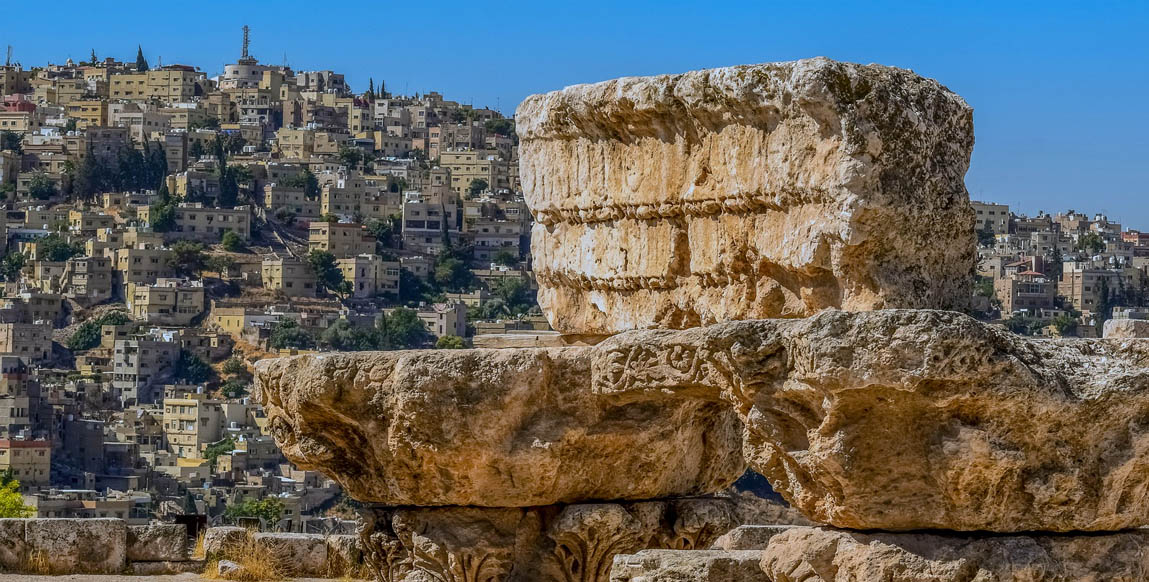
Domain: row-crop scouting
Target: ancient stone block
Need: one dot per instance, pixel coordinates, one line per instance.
(501, 428)
(759, 191)
(748, 537)
(167, 568)
(688, 566)
(907, 419)
(79, 546)
(1125, 328)
(827, 555)
(217, 540)
(572, 543)
(13, 548)
(304, 554)
(157, 543)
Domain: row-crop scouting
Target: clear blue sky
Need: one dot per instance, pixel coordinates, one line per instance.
(1059, 88)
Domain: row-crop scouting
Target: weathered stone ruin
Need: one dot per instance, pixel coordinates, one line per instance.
(774, 248)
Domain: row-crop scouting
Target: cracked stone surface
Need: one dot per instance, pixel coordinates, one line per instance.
(757, 191)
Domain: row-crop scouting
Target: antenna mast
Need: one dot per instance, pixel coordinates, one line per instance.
(246, 39)
(8, 61)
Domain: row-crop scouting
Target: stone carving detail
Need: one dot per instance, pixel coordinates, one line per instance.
(908, 419)
(495, 428)
(569, 543)
(772, 190)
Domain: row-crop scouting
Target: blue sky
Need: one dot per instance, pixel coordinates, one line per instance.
(1059, 89)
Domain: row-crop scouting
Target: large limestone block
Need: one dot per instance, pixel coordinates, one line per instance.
(826, 555)
(218, 541)
(772, 190)
(571, 543)
(75, 546)
(494, 428)
(906, 419)
(157, 543)
(689, 566)
(1125, 328)
(303, 554)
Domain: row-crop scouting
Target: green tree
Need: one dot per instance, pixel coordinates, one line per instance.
(191, 369)
(985, 237)
(1056, 263)
(477, 186)
(87, 335)
(231, 242)
(221, 264)
(12, 141)
(235, 388)
(93, 58)
(11, 266)
(345, 336)
(141, 62)
(1066, 324)
(54, 248)
(269, 509)
(1023, 324)
(326, 269)
(506, 258)
(234, 366)
(412, 288)
(504, 127)
(450, 342)
(11, 501)
(1091, 242)
(187, 257)
(382, 230)
(402, 328)
(41, 187)
(217, 449)
(350, 156)
(1105, 304)
(452, 273)
(288, 335)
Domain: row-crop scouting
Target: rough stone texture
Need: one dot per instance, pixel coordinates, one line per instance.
(907, 419)
(748, 537)
(1125, 328)
(573, 543)
(758, 191)
(826, 555)
(73, 546)
(166, 568)
(305, 554)
(688, 566)
(217, 540)
(495, 428)
(157, 543)
(345, 556)
(13, 548)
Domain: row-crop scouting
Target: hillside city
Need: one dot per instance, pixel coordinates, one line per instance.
(165, 229)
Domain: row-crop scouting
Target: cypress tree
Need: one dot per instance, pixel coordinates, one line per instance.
(141, 62)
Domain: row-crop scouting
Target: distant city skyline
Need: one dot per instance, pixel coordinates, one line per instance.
(1055, 86)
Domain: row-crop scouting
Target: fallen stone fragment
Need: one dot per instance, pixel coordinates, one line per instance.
(758, 191)
(825, 555)
(218, 540)
(301, 554)
(689, 566)
(907, 419)
(492, 428)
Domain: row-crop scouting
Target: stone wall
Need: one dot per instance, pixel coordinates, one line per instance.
(110, 546)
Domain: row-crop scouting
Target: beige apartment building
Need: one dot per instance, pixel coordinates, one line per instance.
(289, 275)
(340, 239)
(167, 302)
(142, 265)
(190, 424)
(29, 461)
(369, 275)
(469, 165)
(203, 223)
(30, 341)
(88, 112)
